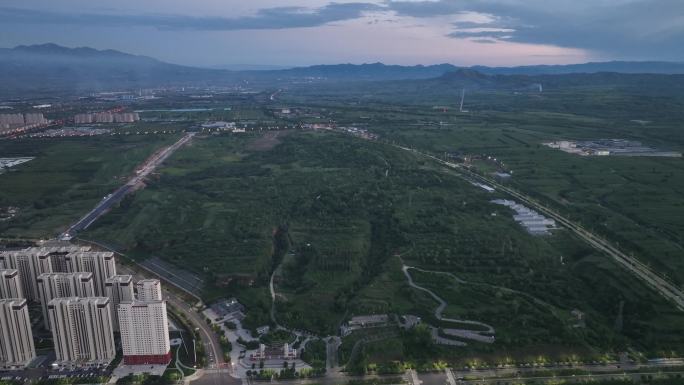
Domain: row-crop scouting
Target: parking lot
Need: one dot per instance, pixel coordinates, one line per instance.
(42, 373)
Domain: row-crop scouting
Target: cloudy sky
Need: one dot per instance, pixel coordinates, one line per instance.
(303, 32)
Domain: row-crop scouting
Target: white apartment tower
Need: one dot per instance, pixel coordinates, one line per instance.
(10, 284)
(144, 333)
(60, 262)
(119, 288)
(31, 263)
(82, 331)
(101, 264)
(16, 339)
(149, 290)
(63, 285)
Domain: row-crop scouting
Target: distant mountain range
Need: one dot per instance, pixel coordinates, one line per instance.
(364, 72)
(49, 67)
(625, 67)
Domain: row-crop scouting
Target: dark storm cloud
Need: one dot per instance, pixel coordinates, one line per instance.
(268, 18)
(625, 28)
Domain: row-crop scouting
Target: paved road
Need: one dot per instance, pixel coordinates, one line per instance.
(110, 200)
(632, 264)
(271, 288)
(332, 345)
(216, 377)
(594, 368)
(635, 377)
(482, 336)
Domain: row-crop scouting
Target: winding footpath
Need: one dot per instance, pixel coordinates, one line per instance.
(481, 336)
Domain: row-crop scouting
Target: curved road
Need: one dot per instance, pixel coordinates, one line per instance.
(442, 304)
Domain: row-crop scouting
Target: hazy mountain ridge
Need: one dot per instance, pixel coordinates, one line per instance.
(627, 67)
(372, 71)
(50, 68)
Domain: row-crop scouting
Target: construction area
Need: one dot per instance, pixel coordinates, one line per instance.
(609, 147)
(532, 221)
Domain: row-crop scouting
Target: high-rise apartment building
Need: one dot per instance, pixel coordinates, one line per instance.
(119, 288)
(149, 290)
(58, 254)
(10, 284)
(31, 263)
(82, 331)
(34, 118)
(101, 264)
(63, 285)
(16, 339)
(144, 332)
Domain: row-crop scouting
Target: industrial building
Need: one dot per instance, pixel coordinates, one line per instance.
(144, 332)
(119, 288)
(534, 223)
(63, 285)
(610, 147)
(16, 339)
(82, 331)
(10, 284)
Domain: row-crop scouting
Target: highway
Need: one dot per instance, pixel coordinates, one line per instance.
(594, 372)
(632, 264)
(110, 200)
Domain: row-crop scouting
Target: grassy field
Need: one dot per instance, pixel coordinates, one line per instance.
(66, 178)
(349, 208)
(335, 217)
(632, 201)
